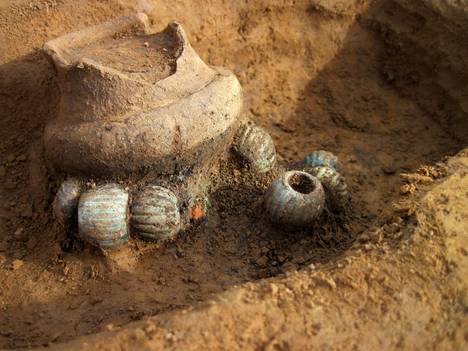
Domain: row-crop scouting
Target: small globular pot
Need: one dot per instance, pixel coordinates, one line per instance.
(155, 213)
(102, 216)
(295, 200)
(66, 201)
(323, 158)
(334, 184)
(256, 146)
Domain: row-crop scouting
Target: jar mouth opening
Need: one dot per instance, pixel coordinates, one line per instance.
(124, 46)
(301, 182)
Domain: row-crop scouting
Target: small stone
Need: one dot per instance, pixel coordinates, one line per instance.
(20, 235)
(255, 253)
(289, 267)
(32, 242)
(21, 158)
(389, 169)
(10, 158)
(331, 282)
(16, 264)
(368, 247)
(262, 261)
(150, 329)
(298, 260)
(364, 238)
(274, 289)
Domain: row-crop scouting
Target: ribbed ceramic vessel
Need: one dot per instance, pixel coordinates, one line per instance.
(148, 95)
(323, 158)
(155, 213)
(335, 186)
(102, 216)
(256, 146)
(295, 200)
(66, 201)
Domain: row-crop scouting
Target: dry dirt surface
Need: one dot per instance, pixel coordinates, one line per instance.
(381, 84)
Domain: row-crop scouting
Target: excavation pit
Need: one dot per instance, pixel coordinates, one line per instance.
(382, 86)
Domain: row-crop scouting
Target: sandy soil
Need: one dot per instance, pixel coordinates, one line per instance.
(380, 84)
